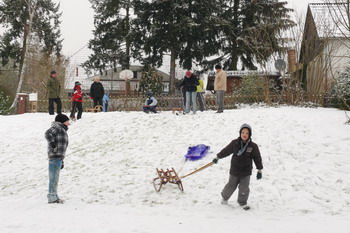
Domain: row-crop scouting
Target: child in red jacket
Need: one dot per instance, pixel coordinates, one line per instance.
(77, 101)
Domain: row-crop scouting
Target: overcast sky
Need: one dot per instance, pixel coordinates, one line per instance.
(77, 21)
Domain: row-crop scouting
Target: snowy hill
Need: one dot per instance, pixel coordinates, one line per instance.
(112, 159)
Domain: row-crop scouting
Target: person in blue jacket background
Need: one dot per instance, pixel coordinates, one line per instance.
(105, 101)
(150, 103)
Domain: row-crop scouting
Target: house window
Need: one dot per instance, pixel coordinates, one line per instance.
(135, 74)
(165, 87)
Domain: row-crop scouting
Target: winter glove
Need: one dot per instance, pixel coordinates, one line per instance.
(216, 160)
(62, 166)
(259, 175)
(53, 145)
(91, 97)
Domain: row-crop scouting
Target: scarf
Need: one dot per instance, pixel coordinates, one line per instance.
(243, 148)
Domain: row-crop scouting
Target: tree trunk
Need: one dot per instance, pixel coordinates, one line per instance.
(172, 71)
(234, 53)
(127, 64)
(26, 40)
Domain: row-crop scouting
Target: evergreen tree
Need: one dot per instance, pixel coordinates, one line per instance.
(151, 81)
(4, 103)
(111, 44)
(251, 32)
(185, 29)
(27, 21)
(15, 17)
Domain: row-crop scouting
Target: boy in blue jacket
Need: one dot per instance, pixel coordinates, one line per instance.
(150, 103)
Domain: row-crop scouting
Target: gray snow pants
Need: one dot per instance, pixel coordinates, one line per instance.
(220, 100)
(243, 188)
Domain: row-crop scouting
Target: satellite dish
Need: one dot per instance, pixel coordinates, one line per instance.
(280, 64)
(126, 74)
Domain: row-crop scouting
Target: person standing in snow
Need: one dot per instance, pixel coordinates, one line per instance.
(105, 101)
(150, 103)
(57, 139)
(220, 87)
(53, 92)
(200, 97)
(243, 151)
(77, 101)
(190, 83)
(97, 91)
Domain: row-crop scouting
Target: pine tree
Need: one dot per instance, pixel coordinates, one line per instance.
(185, 29)
(111, 44)
(151, 81)
(251, 32)
(44, 27)
(27, 21)
(4, 103)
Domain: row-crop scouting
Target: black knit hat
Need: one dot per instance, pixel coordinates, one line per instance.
(247, 127)
(61, 118)
(53, 72)
(218, 66)
(77, 83)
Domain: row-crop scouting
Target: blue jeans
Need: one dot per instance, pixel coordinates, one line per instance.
(191, 96)
(54, 173)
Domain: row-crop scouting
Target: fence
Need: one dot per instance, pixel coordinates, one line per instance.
(167, 102)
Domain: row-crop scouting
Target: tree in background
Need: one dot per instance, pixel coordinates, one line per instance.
(151, 81)
(187, 30)
(38, 70)
(111, 43)
(4, 103)
(251, 32)
(27, 21)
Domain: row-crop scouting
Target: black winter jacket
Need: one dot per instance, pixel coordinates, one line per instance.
(242, 165)
(190, 84)
(97, 90)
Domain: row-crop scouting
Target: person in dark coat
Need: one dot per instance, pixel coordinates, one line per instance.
(54, 91)
(57, 140)
(190, 83)
(77, 101)
(243, 151)
(97, 92)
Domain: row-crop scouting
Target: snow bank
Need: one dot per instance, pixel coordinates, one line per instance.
(112, 157)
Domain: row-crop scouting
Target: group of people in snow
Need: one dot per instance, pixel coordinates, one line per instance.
(243, 150)
(97, 94)
(192, 89)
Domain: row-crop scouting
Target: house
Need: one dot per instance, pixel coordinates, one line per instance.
(116, 86)
(234, 78)
(325, 46)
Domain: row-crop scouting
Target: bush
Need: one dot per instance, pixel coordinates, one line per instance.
(4, 104)
(341, 89)
(256, 89)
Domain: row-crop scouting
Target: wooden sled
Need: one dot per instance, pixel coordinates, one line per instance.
(165, 177)
(97, 108)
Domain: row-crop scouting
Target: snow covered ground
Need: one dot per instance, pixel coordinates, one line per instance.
(112, 157)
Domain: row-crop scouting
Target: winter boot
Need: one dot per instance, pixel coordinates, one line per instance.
(224, 202)
(58, 201)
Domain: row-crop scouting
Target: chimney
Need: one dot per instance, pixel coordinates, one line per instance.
(292, 61)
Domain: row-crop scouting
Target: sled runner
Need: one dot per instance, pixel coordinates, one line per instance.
(97, 108)
(193, 153)
(172, 177)
(165, 177)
